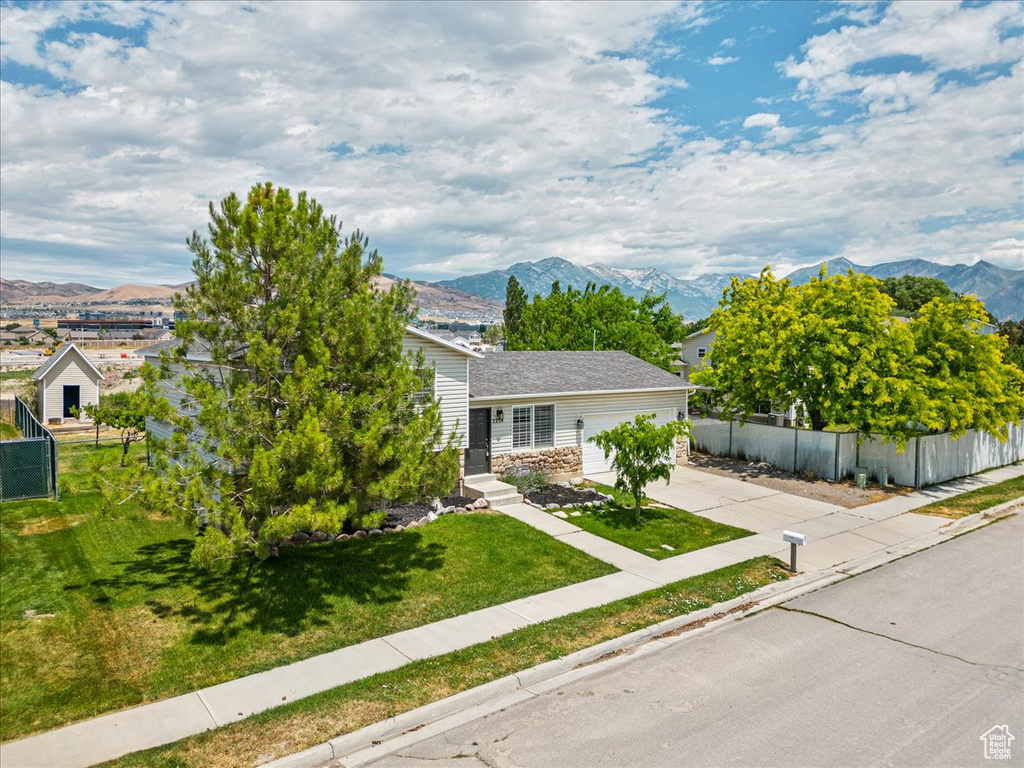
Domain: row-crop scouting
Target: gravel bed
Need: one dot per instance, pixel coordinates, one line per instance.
(406, 513)
(564, 495)
(843, 494)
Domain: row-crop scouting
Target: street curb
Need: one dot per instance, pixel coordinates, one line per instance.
(360, 747)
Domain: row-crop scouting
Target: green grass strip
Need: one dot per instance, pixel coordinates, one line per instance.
(977, 500)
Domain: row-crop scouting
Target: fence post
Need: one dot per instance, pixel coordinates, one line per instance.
(917, 462)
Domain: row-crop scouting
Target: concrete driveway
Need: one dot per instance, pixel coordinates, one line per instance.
(735, 502)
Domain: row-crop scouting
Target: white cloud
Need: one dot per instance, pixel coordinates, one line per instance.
(762, 120)
(718, 61)
(482, 135)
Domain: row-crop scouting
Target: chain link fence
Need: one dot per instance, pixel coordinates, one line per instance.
(28, 465)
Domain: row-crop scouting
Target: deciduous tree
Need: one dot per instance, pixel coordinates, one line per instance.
(299, 410)
(599, 318)
(643, 453)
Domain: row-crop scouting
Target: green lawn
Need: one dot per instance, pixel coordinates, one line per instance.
(303, 724)
(104, 611)
(658, 525)
(9, 431)
(976, 501)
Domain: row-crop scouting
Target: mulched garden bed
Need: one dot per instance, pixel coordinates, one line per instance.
(407, 513)
(564, 495)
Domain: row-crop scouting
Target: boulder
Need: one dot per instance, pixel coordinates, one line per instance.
(426, 519)
(552, 506)
(360, 534)
(449, 510)
(343, 537)
(375, 532)
(561, 514)
(300, 537)
(470, 508)
(432, 517)
(319, 536)
(390, 530)
(480, 504)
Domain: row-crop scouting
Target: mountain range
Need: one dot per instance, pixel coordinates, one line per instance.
(483, 295)
(1002, 290)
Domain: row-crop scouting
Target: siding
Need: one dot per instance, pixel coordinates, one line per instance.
(451, 384)
(689, 348)
(68, 371)
(569, 408)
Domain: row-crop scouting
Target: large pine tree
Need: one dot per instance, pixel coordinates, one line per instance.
(308, 413)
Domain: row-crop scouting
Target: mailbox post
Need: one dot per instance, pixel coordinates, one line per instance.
(795, 540)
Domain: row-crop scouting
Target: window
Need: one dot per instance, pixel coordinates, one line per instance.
(426, 390)
(701, 351)
(522, 419)
(543, 426)
(533, 427)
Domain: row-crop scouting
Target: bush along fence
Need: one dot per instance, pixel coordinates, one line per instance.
(28, 465)
(925, 460)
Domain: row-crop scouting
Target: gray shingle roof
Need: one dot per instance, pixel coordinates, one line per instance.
(515, 374)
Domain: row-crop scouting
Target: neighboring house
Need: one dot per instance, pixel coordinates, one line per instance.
(543, 409)
(695, 348)
(64, 382)
(29, 333)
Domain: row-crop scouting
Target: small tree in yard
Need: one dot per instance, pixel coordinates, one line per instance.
(299, 409)
(123, 411)
(643, 453)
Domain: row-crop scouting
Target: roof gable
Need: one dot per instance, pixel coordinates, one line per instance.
(429, 337)
(68, 349)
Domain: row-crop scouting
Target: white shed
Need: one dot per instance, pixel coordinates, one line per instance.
(66, 381)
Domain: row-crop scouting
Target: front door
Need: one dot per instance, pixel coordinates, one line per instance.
(72, 399)
(478, 454)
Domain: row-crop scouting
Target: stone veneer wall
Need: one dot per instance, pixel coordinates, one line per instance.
(682, 450)
(553, 462)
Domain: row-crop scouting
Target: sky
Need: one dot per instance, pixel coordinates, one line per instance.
(462, 137)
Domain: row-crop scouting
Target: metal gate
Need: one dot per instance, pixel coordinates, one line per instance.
(28, 466)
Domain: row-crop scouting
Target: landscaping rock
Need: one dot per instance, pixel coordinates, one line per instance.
(360, 535)
(561, 514)
(480, 504)
(319, 536)
(413, 524)
(426, 519)
(588, 505)
(553, 506)
(575, 513)
(432, 516)
(299, 538)
(331, 537)
(343, 537)
(390, 530)
(470, 508)
(449, 510)
(375, 532)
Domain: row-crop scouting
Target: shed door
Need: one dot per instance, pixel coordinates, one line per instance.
(72, 399)
(593, 457)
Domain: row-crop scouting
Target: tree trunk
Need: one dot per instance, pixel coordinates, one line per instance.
(817, 422)
(639, 498)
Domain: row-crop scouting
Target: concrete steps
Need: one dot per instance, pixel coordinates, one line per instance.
(493, 490)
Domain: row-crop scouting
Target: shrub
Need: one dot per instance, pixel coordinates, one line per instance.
(525, 479)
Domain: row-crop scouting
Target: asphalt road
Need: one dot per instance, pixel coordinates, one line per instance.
(908, 664)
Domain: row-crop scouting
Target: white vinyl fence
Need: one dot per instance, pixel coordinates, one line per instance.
(834, 456)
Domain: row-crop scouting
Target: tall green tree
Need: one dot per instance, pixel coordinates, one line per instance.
(963, 374)
(599, 318)
(298, 409)
(911, 292)
(833, 346)
(515, 302)
(1013, 332)
(643, 453)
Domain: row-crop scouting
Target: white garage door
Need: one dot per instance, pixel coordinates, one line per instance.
(593, 457)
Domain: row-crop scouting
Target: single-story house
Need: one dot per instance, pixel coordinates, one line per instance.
(26, 334)
(537, 409)
(543, 409)
(64, 382)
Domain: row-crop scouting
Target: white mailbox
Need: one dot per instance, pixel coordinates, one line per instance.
(794, 538)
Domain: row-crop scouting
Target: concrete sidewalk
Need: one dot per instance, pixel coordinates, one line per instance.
(836, 536)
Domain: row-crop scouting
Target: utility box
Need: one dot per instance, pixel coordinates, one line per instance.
(860, 477)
